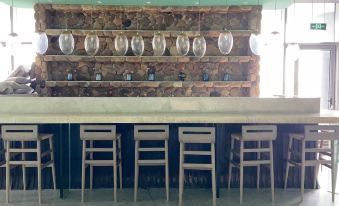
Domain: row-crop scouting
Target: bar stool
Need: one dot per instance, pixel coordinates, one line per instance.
(27, 133)
(150, 133)
(317, 134)
(259, 134)
(93, 133)
(196, 135)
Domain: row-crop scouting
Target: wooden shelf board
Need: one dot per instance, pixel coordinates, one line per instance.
(149, 84)
(170, 59)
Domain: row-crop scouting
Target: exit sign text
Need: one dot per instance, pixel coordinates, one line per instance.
(318, 26)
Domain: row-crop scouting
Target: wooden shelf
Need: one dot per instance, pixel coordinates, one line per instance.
(147, 33)
(170, 59)
(150, 84)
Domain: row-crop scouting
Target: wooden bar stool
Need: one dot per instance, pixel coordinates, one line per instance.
(150, 133)
(27, 133)
(259, 134)
(317, 134)
(94, 133)
(196, 135)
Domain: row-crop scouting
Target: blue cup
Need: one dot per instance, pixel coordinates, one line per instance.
(129, 77)
(226, 77)
(98, 77)
(69, 76)
(205, 76)
(151, 77)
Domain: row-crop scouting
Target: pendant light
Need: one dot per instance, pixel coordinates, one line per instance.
(256, 40)
(182, 43)
(293, 48)
(13, 38)
(121, 41)
(41, 38)
(137, 42)
(92, 42)
(199, 42)
(66, 40)
(158, 43)
(225, 40)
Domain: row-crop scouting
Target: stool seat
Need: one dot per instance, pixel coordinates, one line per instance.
(298, 136)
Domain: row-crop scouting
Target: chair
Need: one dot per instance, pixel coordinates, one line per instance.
(150, 133)
(27, 133)
(317, 134)
(92, 134)
(258, 134)
(196, 135)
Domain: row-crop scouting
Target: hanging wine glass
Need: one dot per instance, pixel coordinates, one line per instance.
(137, 45)
(183, 44)
(13, 42)
(91, 43)
(199, 46)
(121, 44)
(225, 42)
(159, 44)
(66, 42)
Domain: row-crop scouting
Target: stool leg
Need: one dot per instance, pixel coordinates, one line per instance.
(230, 166)
(91, 167)
(115, 169)
(39, 168)
(272, 170)
(214, 192)
(23, 158)
(290, 141)
(181, 173)
(241, 170)
(258, 167)
(83, 170)
(334, 170)
(120, 163)
(51, 148)
(8, 171)
(316, 168)
(302, 169)
(136, 170)
(166, 170)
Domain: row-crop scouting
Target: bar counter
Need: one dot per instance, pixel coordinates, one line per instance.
(62, 116)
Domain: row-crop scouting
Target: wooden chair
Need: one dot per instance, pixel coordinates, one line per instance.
(92, 133)
(317, 134)
(259, 134)
(150, 133)
(27, 133)
(196, 135)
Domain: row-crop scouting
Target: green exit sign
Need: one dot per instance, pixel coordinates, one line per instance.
(318, 26)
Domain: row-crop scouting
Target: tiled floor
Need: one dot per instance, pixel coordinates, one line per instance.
(156, 197)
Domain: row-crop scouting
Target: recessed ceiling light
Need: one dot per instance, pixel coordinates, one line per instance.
(99, 2)
(245, 2)
(197, 2)
(148, 2)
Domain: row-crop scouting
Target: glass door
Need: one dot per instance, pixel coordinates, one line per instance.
(315, 73)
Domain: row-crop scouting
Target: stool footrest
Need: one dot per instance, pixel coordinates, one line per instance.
(99, 149)
(197, 153)
(20, 150)
(191, 166)
(100, 162)
(255, 150)
(154, 149)
(151, 162)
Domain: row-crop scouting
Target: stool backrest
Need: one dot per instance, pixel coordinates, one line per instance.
(197, 135)
(259, 132)
(151, 132)
(19, 132)
(97, 132)
(322, 132)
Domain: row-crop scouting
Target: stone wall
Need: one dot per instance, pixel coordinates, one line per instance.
(240, 64)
